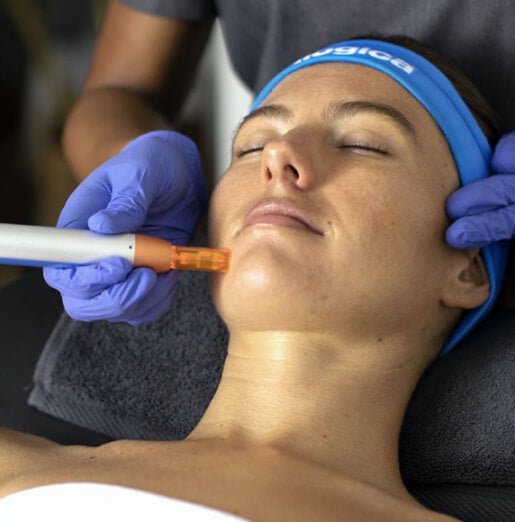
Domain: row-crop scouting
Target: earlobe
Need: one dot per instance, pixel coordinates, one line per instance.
(470, 286)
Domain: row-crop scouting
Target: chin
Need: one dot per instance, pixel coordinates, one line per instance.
(260, 294)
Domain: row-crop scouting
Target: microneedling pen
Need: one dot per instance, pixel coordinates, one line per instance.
(48, 246)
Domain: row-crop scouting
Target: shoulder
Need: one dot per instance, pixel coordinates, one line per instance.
(22, 453)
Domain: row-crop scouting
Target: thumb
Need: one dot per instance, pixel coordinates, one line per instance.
(124, 213)
(503, 159)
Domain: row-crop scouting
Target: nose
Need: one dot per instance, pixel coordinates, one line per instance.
(287, 160)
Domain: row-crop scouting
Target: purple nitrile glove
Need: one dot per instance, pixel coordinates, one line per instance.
(154, 186)
(485, 210)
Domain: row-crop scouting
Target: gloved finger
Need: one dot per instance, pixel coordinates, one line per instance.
(483, 195)
(155, 303)
(182, 218)
(87, 281)
(162, 290)
(124, 213)
(132, 188)
(503, 158)
(178, 161)
(115, 300)
(482, 229)
(173, 234)
(171, 167)
(85, 200)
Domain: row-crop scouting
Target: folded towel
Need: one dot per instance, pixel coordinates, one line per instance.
(156, 381)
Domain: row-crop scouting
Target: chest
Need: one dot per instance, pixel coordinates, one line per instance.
(255, 485)
(235, 484)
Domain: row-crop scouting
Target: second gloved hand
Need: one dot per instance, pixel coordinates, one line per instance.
(154, 186)
(485, 210)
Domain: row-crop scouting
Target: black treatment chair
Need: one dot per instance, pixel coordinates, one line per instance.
(457, 445)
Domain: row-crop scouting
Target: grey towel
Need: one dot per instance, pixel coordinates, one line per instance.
(155, 382)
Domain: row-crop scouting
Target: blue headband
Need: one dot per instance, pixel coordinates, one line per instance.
(466, 140)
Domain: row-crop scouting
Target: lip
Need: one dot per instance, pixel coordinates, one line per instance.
(281, 207)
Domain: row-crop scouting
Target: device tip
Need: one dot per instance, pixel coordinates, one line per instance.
(199, 258)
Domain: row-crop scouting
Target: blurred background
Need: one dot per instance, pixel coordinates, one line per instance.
(45, 50)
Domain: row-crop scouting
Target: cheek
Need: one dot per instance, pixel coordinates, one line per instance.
(383, 204)
(399, 218)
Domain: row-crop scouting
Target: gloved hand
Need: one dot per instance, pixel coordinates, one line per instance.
(153, 186)
(485, 210)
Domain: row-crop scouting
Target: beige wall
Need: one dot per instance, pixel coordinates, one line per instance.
(232, 101)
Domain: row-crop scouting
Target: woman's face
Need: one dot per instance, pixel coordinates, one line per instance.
(358, 155)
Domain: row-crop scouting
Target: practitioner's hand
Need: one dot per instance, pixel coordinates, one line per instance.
(485, 210)
(153, 186)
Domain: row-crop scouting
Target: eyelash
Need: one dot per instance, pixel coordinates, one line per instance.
(242, 152)
(364, 146)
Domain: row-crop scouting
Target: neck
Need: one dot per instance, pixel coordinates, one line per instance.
(337, 405)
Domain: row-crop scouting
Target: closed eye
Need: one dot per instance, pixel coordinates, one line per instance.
(364, 146)
(242, 152)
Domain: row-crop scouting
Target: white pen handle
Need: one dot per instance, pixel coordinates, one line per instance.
(46, 246)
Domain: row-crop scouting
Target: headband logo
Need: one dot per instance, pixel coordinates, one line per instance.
(350, 51)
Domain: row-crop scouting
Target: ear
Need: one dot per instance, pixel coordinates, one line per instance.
(468, 286)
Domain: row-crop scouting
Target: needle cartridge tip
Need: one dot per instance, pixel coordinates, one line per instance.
(199, 258)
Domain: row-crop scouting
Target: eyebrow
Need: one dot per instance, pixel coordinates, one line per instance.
(278, 112)
(342, 109)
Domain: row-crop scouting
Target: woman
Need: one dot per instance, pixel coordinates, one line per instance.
(342, 290)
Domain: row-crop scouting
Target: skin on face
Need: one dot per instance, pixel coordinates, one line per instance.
(377, 191)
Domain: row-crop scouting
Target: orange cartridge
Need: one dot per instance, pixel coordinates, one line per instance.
(162, 256)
